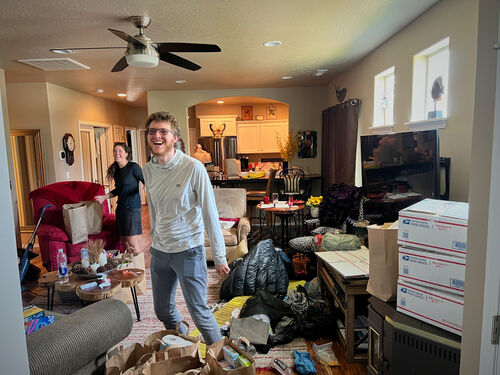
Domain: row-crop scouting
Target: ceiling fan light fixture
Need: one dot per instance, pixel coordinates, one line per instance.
(142, 61)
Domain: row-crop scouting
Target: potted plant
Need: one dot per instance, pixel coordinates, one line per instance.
(313, 203)
(288, 146)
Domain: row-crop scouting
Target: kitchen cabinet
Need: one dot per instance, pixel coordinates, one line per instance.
(259, 136)
(218, 122)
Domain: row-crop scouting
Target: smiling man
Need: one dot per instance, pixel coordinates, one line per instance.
(181, 206)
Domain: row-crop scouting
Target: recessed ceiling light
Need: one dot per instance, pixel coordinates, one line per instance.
(220, 101)
(287, 77)
(181, 81)
(121, 95)
(272, 43)
(100, 91)
(61, 50)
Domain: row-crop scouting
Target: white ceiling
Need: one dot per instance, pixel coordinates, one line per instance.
(331, 34)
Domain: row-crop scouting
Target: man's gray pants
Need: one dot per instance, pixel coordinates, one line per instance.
(188, 267)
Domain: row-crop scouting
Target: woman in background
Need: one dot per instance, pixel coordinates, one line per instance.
(126, 175)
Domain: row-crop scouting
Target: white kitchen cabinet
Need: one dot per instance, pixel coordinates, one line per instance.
(259, 136)
(218, 122)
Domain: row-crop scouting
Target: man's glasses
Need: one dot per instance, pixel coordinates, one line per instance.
(162, 131)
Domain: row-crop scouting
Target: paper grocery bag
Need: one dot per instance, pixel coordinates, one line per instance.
(94, 216)
(131, 261)
(383, 247)
(128, 360)
(189, 365)
(75, 222)
(154, 341)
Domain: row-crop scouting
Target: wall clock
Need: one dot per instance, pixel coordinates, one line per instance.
(69, 147)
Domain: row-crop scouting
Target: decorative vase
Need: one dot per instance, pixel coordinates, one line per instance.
(314, 211)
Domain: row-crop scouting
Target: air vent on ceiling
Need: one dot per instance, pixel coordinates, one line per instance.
(60, 63)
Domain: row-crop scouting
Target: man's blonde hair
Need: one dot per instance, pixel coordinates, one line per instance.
(165, 116)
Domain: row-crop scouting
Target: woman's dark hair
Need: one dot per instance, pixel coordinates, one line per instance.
(110, 174)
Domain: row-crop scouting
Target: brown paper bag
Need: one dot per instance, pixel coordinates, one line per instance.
(131, 261)
(154, 341)
(94, 216)
(125, 361)
(180, 365)
(383, 246)
(215, 354)
(75, 222)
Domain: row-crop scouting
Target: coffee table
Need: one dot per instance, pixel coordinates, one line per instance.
(127, 278)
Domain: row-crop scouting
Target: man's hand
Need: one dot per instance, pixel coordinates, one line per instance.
(222, 269)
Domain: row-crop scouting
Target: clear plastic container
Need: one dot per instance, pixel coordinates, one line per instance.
(62, 267)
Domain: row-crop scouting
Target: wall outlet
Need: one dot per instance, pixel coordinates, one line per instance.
(67, 174)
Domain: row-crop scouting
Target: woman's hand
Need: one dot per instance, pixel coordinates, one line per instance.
(222, 269)
(100, 198)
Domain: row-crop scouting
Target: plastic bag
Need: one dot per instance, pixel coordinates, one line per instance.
(325, 355)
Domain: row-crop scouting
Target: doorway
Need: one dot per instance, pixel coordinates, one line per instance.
(95, 147)
(29, 171)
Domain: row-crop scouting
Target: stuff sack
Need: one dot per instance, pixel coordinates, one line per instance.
(333, 242)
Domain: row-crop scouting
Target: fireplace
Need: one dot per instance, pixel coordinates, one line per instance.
(400, 344)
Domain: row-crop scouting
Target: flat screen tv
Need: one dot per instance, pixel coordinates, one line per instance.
(401, 166)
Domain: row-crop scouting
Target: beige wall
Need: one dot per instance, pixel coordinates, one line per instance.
(56, 110)
(305, 108)
(456, 19)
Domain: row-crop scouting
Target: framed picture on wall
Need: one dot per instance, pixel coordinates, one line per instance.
(246, 112)
(308, 140)
(271, 112)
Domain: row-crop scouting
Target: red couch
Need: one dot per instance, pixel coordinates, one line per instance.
(51, 233)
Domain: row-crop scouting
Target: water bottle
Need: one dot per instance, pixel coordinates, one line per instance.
(85, 257)
(62, 266)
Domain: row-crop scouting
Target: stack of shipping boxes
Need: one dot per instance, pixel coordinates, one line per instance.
(432, 236)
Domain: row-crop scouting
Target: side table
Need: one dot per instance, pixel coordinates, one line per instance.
(284, 214)
(129, 279)
(48, 281)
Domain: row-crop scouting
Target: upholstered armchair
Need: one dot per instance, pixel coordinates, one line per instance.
(231, 204)
(51, 233)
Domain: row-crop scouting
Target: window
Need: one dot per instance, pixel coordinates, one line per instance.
(383, 108)
(430, 82)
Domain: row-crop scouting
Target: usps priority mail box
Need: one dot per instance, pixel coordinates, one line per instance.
(435, 225)
(432, 269)
(436, 307)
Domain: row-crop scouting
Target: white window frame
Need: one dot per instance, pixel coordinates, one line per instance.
(381, 116)
(421, 91)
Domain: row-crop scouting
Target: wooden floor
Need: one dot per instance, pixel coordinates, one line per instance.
(344, 368)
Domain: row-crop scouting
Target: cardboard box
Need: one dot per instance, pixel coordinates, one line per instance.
(436, 307)
(435, 225)
(432, 269)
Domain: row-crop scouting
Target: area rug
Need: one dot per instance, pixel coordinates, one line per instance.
(149, 323)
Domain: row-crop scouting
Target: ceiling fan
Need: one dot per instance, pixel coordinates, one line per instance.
(142, 52)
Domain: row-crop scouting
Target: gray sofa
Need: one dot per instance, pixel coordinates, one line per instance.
(77, 343)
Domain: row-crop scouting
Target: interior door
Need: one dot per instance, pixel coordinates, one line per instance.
(95, 149)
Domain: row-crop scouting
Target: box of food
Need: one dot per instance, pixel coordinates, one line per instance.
(435, 225)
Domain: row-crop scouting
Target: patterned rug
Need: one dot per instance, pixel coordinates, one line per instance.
(149, 323)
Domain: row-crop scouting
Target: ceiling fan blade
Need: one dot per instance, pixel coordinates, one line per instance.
(83, 48)
(120, 65)
(187, 47)
(126, 37)
(179, 61)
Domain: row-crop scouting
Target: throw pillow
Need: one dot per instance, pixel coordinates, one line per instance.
(323, 230)
(302, 243)
(225, 222)
(239, 252)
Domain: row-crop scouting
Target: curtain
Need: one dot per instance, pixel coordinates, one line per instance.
(340, 132)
